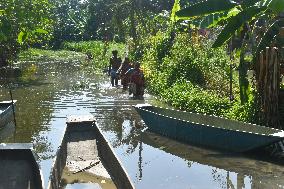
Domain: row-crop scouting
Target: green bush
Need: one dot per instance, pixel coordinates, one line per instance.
(192, 76)
(186, 96)
(243, 112)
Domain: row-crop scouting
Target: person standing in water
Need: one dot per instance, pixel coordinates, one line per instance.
(125, 66)
(137, 81)
(114, 64)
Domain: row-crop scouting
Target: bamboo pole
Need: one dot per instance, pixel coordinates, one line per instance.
(12, 100)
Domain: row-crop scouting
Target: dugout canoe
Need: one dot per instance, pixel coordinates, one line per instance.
(19, 169)
(6, 112)
(209, 131)
(85, 157)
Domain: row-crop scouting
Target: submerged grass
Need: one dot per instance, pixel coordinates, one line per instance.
(49, 55)
(28, 61)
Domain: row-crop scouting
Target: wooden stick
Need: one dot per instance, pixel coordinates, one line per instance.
(86, 168)
(13, 107)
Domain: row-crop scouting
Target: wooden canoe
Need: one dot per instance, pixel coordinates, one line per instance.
(6, 112)
(208, 131)
(19, 169)
(86, 157)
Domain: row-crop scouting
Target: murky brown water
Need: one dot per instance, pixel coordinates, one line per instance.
(153, 162)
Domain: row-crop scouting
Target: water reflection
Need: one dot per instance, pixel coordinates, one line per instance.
(64, 88)
(228, 170)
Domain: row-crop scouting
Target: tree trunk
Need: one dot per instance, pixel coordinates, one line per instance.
(268, 86)
(281, 93)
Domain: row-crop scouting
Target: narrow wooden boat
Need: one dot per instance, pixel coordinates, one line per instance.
(19, 169)
(6, 112)
(86, 157)
(209, 131)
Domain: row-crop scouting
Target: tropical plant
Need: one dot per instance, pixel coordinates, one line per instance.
(22, 23)
(195, 78)
(241, 20)
(235, 16)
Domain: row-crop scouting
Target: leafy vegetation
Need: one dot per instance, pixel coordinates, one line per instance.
(195, 78)
(179, 63)
(22, 23)
(97, 52)
(242, 21)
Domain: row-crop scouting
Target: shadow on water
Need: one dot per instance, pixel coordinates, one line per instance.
(152, 161)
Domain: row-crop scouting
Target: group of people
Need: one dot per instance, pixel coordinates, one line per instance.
(130, 74)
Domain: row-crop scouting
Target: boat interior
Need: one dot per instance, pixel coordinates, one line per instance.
(19, 167)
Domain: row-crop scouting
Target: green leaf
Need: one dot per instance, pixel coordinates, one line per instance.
(269, 35)
(206, 7)
(211, 20)
(233, 12)
(218, 18)
(2, 12)
(276, 6)
(41, 31)
(235, 23)
(21, 37)
(176, 8)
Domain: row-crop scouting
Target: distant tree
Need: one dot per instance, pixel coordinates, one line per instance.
(70, 19)
(121, 18)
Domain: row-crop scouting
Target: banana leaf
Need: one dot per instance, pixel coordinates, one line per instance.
(206, 7)
(235, 23)
(269, 35)
(175, 8)
(210, 20)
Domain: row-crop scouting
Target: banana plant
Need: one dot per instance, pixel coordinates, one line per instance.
(237, 15)
(237, 18)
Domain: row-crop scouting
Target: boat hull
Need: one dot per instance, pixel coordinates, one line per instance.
(82, 129)
(6, 113)
(21, 171)
(204, 135)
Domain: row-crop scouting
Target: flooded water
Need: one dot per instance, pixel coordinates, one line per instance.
(63, 88)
